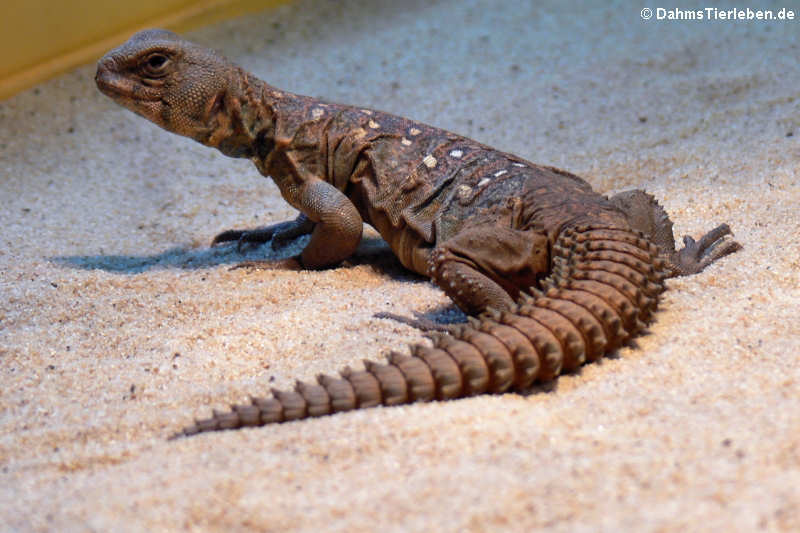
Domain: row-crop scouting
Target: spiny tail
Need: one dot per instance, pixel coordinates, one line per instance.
(603, 289)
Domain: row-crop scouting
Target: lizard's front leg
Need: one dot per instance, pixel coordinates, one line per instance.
(327, 214)
(337, 224)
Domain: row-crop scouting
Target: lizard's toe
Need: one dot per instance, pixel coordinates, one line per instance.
(420, 321)
(227, 236)
(289, 263)
(711, 239)
(254, 237)
(245, 237)
(282, 239)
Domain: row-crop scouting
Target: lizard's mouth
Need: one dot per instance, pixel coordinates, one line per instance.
(117, 87)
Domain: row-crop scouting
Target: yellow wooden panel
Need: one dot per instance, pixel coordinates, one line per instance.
(41, 38)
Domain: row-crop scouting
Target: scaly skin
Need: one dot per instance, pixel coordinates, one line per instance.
(552, 273)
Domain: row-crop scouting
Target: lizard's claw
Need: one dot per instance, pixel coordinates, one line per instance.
(697, 255)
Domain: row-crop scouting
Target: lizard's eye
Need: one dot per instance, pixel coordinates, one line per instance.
(154, 64)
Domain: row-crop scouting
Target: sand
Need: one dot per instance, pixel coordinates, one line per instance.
(118, 324)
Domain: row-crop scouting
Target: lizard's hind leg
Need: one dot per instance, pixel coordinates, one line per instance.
(488, 266)
(645, 214)
(472, 291)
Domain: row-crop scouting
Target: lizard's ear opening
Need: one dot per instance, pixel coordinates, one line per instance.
(217, 105)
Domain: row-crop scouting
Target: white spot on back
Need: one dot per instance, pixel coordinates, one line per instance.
(405, 142)
(429, 161)
(483, 182)
(414, 131)
(456, 153)
(518, 165)
(500, 173)
(317, 112)
(373, 124)
(366, 111)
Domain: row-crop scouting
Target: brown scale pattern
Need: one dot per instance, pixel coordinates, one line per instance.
(603, 288)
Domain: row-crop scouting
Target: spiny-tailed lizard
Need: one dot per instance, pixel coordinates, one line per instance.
(551, 273)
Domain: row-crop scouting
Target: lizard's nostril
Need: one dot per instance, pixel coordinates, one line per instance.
(101, 73)
(106, 68)
(104, 79)
(105, 64)
(102, 68)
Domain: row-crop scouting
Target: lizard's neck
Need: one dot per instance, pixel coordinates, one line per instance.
(240, 116)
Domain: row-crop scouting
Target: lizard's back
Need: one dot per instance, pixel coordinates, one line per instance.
(420, 184)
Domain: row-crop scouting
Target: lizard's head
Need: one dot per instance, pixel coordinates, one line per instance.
(178, 85)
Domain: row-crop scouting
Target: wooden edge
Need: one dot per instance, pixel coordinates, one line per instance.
(199, 14)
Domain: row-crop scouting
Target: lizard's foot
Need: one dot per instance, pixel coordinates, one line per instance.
(697, 255)
(244, 237)
(280, 234)
(290, 263)
(419, 322)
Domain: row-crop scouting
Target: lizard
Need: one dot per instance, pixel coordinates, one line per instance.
(550, 273)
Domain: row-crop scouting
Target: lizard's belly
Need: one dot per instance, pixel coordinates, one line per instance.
(409, 246)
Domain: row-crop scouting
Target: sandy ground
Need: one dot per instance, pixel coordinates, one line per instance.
(118, 324)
